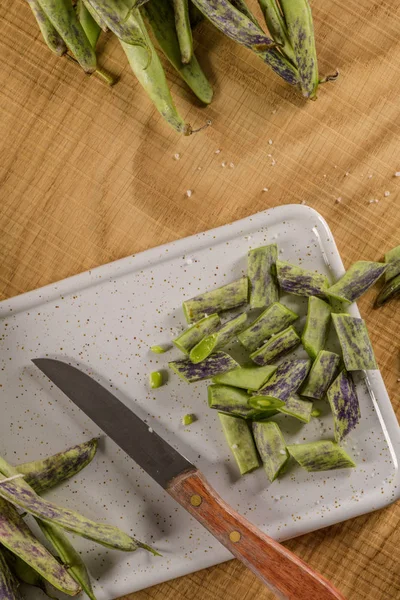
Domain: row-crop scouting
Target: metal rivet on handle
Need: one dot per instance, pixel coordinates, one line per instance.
(195, 500)
(234, 536)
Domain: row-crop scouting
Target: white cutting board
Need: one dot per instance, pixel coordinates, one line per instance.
(105, 321)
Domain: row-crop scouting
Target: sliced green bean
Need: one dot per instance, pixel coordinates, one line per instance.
(266, 403)
(50, 34)
(233, 401)
(392, 259)
(342, 396)
(301, 282)
(271, 446)
(160, 15)
(148, 69)
(183, 29)
(289, 376)
(68, 556)
(8, 583)
(261, 272)
(390, 290)
(44, 474)
(317, 325)
(155, 379)
(240, 440)
(298, 408)
(159, 349)
(63, 17)
(213, 365)
(247, 377)
(89, 25)
(321, 375)
(278, 345)
(228, 296)
(354, 341)
(22, 495)
(277, 27)
(299, 22)
(356, 281)
(275, 318)
(323, 455)
(192, 336)
(188, 420)
(215, 341)
(18, 538)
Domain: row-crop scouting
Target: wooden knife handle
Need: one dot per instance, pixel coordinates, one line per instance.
(282, 571)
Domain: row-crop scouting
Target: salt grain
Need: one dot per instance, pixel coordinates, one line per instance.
(273, 163)
(338, 200)
(217, 151)
(397, 174)
(386, 194)
(177, 156)
(231, 164)
(223, 164)
(270, 142)
(347, 173)
(373, 201)
(265, 189)
(189, 261)
(150, 430)
(234, 446)
(370, 176)
(247, 237)
(303, 202)
(189, 193)
(199, 168)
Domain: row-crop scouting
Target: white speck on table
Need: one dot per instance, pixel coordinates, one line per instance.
(189, 193)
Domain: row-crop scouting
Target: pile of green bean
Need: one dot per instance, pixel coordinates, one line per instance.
(73, 27)
(23, 558)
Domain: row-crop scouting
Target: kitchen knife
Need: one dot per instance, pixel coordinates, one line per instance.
(282, 571)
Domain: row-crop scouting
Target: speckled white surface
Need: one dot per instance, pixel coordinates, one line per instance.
(105, 322)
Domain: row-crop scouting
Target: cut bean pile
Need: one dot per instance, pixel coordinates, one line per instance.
(23, 557)
(73, 27)
(272, 381)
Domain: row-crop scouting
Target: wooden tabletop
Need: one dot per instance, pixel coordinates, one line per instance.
(88, 175)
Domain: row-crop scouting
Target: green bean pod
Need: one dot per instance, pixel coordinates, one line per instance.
(63, 17)
(120, 19)
(160, 16)
(25, 572)
(183, 29)
(150, 74)
(19, 493)
(300, 27)
(95, 16)
(8, 583)
(89, 24)
(18, 538)
(68, 556)
(49, 32)
(277, 27)
(390, 290)
(243, 30)
(44, 474)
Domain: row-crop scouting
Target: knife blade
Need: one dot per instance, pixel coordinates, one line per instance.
(282, 571)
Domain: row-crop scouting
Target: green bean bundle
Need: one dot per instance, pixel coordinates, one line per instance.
(72, 28)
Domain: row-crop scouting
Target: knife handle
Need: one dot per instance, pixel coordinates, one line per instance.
(282, 571)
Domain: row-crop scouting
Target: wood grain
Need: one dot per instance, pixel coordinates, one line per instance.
(87, 175)
(280, 570)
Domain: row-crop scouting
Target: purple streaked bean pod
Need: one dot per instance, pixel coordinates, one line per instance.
(8, 583)
(293, 279)
(278, 345)
(355, 343)
(342, 396)
(18, 538)
(261, 272)
(275, 318)
(356, 281)
(321, 375)
(213, 365)
(244, 31)
(228, 296)
(46, 473)
(392, 259)
(288, 378)
(323, 455)
(271, 447)
(50, 34)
